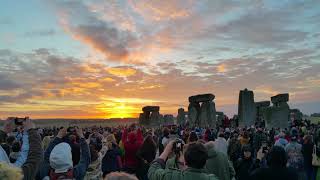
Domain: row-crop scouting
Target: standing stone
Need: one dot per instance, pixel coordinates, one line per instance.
(277, 116)
(220, 118)
(193, 114)
(246, 108)
(261, 108)
(155, 118)
(168, 119)
(203, 115)
(181, 118)
(150, 116)
(208, 114)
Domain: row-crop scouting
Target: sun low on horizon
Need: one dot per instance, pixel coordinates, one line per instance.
(108, 59)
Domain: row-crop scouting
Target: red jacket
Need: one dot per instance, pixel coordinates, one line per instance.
(132, 143)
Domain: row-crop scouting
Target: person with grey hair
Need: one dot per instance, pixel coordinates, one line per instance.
(218, 163)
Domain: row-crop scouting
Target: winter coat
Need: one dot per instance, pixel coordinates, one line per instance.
(258, 138)
(157, 172)
(307, 150)
(221, 145)
(244, 167)
(219, 165)
(110, 161)
(276, 173)
(131, 142)
(234, 149)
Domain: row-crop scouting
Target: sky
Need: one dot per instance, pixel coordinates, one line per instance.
(108, 59)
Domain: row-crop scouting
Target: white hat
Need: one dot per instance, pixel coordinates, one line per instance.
(61, 158)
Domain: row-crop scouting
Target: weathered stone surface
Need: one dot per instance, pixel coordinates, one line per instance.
(201, 98)
(181, 118)
(150, 116)
(155, 118)
(246, 108)
(220, 118)
(280, 98)
(208, 114)
(277, 116)
(262, 104)
(151, 109)
(193, 113)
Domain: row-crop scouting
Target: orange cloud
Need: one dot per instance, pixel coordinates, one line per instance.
(121, 72)
(162, 10)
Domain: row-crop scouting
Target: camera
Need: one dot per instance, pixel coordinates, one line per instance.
(177, 146)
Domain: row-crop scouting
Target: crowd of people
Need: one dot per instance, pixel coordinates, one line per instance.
(163, 153)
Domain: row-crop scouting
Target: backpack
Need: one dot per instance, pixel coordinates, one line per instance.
(61, 176)
(295, 159)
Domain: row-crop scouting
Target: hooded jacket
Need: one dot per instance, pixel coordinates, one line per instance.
(79, 170)
(219, 165)
(131, 142)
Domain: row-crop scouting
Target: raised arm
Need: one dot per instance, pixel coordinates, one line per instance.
(81, 168)
(24, 150)
(157, 168)
(35, 155)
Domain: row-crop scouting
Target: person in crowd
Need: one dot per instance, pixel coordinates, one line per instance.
(165, 139)
(132, 142)
(307, 150)
(281, 141)
(246, 164)
(111, 161)
(195, 157)
(177, 161)
(295, 157)
(277, 169)
(46, 140)
(220, 144)
(234, 148)
(193, 137)
(208, 135)
(244, 139)
(31, 151)
(94, 170)
(259, 137)
(120, 176)
(146, 155)
(218, 163)
(58, 158)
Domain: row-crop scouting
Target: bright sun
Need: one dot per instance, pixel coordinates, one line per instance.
(120, 110)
